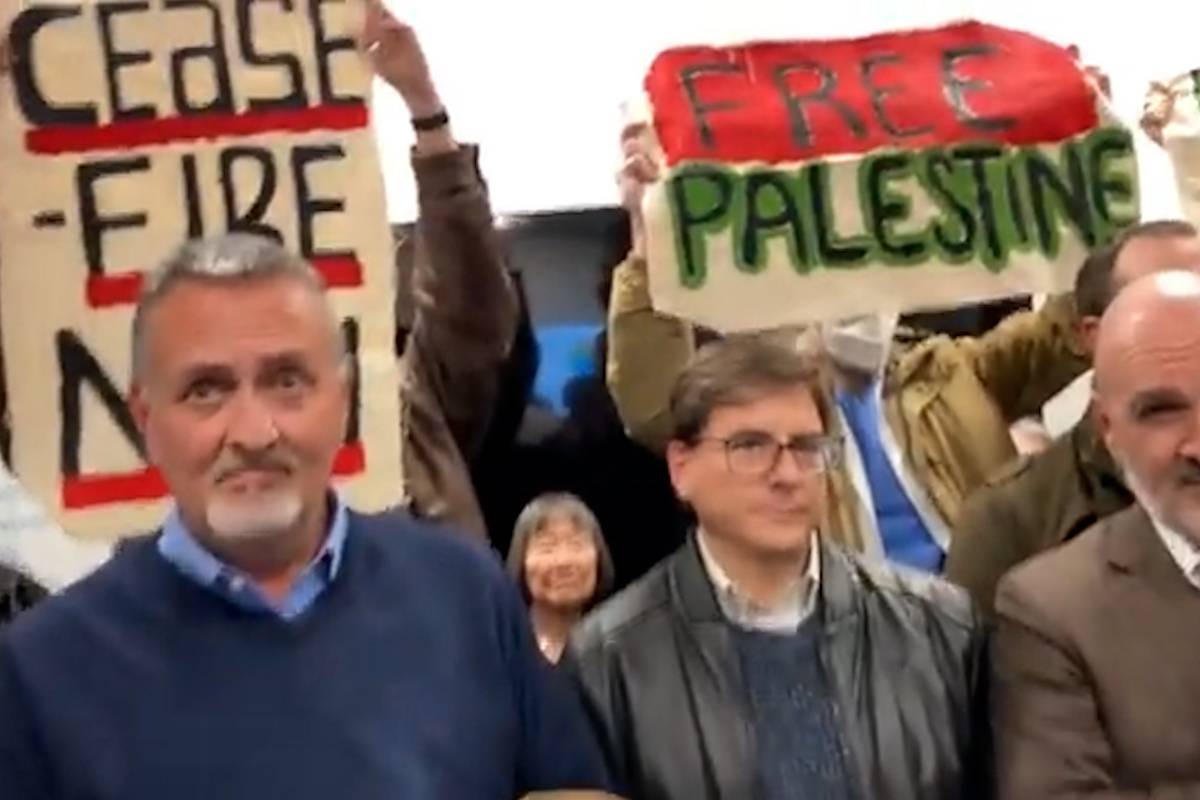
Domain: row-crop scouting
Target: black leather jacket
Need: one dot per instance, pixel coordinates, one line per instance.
(903, 652)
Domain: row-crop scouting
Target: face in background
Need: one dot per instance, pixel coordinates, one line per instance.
(243, 403)
(766, 511)
(562, 565)
(1142, 256)
(1148, 397)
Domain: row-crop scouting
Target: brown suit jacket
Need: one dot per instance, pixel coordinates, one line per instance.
(1096, 688)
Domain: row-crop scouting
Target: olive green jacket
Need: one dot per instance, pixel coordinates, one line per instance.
(948, 402)
(1034, 504)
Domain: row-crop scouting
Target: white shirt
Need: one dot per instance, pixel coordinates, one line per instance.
(785, 616)
(1183, 550)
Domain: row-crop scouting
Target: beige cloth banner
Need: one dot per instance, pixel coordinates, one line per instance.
(819, 180)
(126, 128)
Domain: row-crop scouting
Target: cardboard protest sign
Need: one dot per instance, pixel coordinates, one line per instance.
(818, 180)
(1181, 138)
(128, 127)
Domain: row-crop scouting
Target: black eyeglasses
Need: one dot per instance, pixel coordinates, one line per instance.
(756, 453)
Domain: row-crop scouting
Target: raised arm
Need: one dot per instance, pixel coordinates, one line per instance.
(647, 350)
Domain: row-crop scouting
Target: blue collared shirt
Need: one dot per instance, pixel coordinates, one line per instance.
(181, 549)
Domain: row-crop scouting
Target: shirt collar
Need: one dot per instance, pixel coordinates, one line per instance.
(180, 548)
(1183, 550)
(793, 608)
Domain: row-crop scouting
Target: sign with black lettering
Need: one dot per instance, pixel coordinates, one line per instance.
(128, 126)
(818, 180)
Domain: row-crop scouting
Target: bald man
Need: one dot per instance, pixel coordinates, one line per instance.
(1097, 647)
(1040, 501)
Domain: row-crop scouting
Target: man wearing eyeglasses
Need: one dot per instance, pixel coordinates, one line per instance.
(761, 660)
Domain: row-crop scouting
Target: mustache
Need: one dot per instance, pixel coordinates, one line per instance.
(234, 464)
(1188, 471)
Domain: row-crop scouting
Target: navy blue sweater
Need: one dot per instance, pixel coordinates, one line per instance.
(413, 676)
(799, 750)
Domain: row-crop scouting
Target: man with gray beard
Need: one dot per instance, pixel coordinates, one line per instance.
(270, 642)
(1096, 691)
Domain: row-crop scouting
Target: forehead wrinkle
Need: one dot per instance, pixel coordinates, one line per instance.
(298, 309)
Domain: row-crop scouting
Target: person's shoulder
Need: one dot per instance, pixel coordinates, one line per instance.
(396, 537)
(1024, 491)
(398, 530)
(919, 594)
(1064, 578)
(1013, 471)
(112, 592)
(627, 613)
(998, 492)
(1032, 468)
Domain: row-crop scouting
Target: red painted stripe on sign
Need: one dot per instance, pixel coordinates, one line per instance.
(86, 491)
(350, 460)
(113, 290)
(340, 273)
(795, 101)
(89, 491)
(59, 139)
(124, 288)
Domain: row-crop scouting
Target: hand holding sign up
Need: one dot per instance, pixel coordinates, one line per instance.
(394, 51)
(1171, 117)
(1156, 111)
(639, 168)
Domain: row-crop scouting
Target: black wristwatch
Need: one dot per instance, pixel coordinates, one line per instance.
(431, 123)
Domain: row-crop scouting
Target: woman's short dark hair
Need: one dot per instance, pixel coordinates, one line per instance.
(738, 369)
(534, 517)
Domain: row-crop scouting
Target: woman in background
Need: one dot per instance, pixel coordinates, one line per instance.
(560, 560)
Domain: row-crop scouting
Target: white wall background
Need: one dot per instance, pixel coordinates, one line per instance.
(539, 83)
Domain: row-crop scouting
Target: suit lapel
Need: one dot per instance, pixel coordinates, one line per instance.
(1133, 547)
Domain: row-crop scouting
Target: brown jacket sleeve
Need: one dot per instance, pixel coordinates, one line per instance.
(1029, 357)
(647, 351)
(1049, 740)
(985, 545)
(465, 319)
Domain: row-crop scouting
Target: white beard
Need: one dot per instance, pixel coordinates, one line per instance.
(258, 515)
(1140, 493)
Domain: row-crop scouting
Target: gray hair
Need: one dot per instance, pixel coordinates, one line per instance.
(534, 517)
(228, 258)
